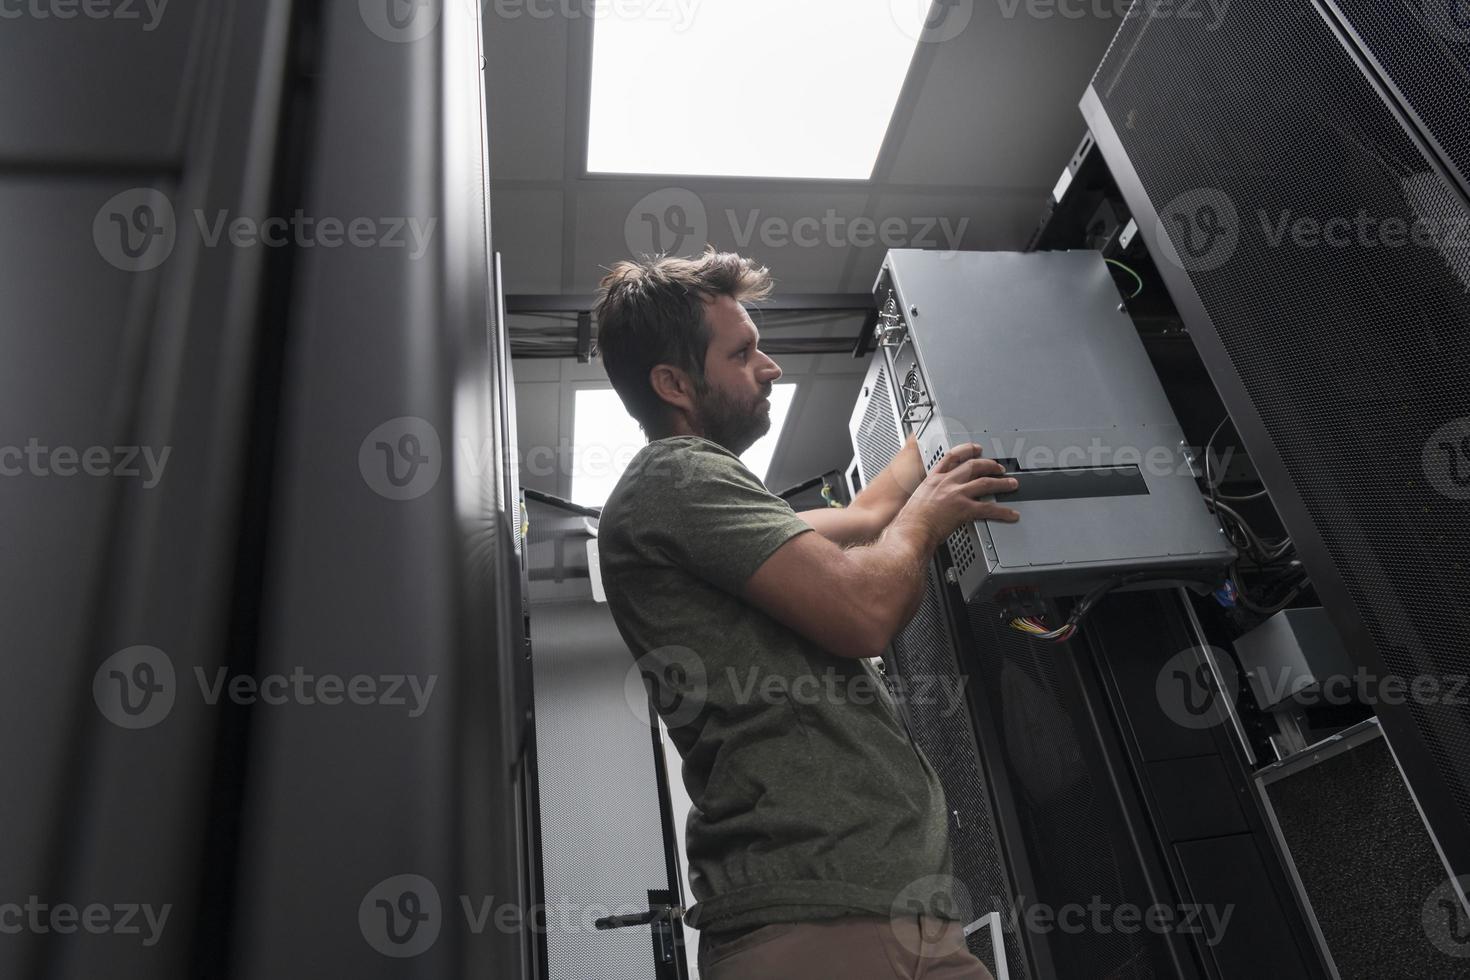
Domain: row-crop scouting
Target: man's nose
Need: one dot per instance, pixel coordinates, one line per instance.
(771, 372)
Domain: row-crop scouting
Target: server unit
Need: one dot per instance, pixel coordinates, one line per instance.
(1038, 818)
(1068, 779)
(1033, 357)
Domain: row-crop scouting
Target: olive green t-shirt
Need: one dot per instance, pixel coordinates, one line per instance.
(810, 799)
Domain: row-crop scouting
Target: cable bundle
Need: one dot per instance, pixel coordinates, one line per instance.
(1037, 627)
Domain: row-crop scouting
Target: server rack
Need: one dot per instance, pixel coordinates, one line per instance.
(1292, 117)
(1068, 780)
(274, 539)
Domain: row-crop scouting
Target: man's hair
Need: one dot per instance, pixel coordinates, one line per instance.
(651, 311)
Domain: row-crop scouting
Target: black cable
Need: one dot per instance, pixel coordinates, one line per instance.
(1209, 478)
(542, 497)
(1265, 555)
(1244, 497)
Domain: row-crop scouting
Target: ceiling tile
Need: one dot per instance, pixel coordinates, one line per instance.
(525, 91)
(526, 230)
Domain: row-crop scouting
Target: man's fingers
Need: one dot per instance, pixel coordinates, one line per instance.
(995, 512)
(979, 466)
(989, 486)
(956, 456)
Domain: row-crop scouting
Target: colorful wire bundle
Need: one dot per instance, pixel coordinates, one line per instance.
(1037, 628)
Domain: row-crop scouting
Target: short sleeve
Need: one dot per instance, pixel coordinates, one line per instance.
(708, 514)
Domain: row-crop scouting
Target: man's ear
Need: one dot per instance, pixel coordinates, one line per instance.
(674, 386)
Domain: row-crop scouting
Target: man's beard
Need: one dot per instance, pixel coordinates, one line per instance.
(734, 424)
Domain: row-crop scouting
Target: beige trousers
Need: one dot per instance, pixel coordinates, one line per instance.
(856, 948)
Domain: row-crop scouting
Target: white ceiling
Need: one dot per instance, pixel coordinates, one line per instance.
(986, 122)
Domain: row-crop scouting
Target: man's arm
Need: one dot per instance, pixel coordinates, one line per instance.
(852, 601)
(876, 505)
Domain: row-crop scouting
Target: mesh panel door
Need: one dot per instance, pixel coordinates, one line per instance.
(1332, 259)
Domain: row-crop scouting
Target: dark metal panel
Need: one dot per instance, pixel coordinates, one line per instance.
(171, 567)
(1189, 772)
(1079, 822)
(371, 828)
(73, 332)
(1354, 620)
(1195, 798)
(1415, 55)
(1243, 936)
(1366, 864)
(991, 868)
(102, 86)
(145, 356)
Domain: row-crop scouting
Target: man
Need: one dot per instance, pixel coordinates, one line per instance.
(818, 840)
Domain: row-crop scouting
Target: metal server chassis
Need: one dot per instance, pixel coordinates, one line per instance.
(1033, 356)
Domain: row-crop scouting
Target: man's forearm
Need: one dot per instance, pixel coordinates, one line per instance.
(876, 505)
(886, 579)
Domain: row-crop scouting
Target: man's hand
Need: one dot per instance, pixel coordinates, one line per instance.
(947, 497)
(851, 602)
(876, 505)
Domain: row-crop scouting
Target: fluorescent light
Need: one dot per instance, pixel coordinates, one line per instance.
(605, 438)
(1063, 182)
(747, 88)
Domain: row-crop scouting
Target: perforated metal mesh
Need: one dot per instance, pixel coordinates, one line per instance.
(1349, 353)
(1349, 820)
(960, 543)
(1423, 47)
(938, 715)
(878, 439)
(924, 651)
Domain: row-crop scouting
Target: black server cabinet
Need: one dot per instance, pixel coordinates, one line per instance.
(1299, 172)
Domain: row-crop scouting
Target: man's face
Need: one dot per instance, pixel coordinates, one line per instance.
(733, 402)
